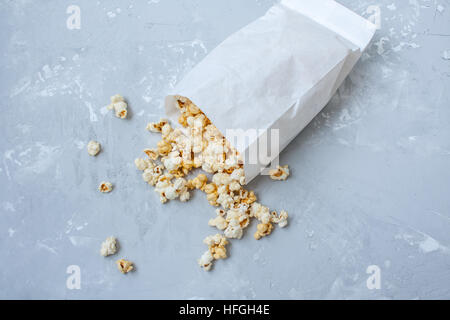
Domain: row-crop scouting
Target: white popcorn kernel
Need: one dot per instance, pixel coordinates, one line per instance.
(185, 196)
(221, 179)
(157, 126)
(225, 200)
(166, 129)
(124, 266)
(260, 212)
(105, 187)
(234, 186)
(152, 153)
(233, 231)
(206, 260)
(119, 105)
(281, 219)
(142, 164)
(280, 173)
(109, 246)
(93, 148)
(219, 222)
(170, 193)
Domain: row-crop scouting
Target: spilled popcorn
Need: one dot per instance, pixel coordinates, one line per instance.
(109, 246)
(124, 266)
(93, 148)
(201, 146)
(105, 187)
(119, 106)
(280, 173)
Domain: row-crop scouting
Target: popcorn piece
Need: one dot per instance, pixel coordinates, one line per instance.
(262, 230)
(109, 246)
(164, 147)
(280, 173)
(93, 148)
(105, 187)
(199, 181)
(157, 126)
(119, 105)
(216, 245)
(143, 164)
(206, 260)
(219, 222)
(152, 153)
(172, 161)
(281, 219)
(124, 266)
(238, 220)
(209, 188)
(260, 212)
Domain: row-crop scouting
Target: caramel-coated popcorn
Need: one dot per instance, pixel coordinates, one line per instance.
(201, 145)
(119, 106)
(124, 266)
(105, 187)
(280, 173)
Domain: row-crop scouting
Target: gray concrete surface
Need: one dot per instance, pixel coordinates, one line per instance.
(370, 181)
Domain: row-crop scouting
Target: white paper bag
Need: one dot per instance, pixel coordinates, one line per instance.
(278, 72)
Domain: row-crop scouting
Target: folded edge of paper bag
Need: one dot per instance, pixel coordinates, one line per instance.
(346, 24)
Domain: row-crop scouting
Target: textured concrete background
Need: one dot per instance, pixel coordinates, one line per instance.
(370, 181)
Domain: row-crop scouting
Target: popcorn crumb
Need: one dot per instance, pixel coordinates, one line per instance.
(262, 230)
(93, 148)
(124, 266)
(119, 106)
(280, 173)
(105, 187)
(109, 246)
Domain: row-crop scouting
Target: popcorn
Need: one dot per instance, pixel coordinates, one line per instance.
(219, 222)
(170, 191)
(143, 164)
(209, 188)
(206, 260)
(262, 230)
(105, 187)
(124, 266)
(212, 198)
(280, 173)
(164, 147)
(260, 212)
(172, 161)
(152, 153)
(119, 105)
(109, 246)
(152, 174)
(225, 200)
(199, 182)
(238, 220)
(281, 219)
(201, 145)
(157, 126)
(216, 250)
(93, 148)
